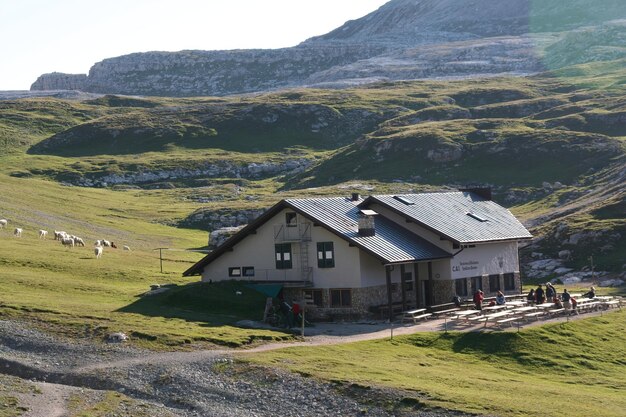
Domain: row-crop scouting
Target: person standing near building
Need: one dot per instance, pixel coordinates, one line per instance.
(540, 296)
(565, 298)
(478, 299)
(550, 292)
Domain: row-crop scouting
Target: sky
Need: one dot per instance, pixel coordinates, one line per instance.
(41, 36)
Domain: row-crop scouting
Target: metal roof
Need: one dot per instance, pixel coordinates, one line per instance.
(391, 243)
(462, 216)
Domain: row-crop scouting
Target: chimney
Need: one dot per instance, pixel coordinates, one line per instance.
(355, 197)
(366, 223)
(484, 192)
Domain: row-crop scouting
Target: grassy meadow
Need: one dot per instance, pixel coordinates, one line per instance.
(69, 291)
(575, 368)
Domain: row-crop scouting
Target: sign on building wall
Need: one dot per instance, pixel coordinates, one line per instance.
(485, 260)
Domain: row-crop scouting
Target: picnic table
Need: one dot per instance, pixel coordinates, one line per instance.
(418, 313)
(493, 317)
(446, 312)
(516, 303)
(524, 309)
(494, 308)
(463, 314)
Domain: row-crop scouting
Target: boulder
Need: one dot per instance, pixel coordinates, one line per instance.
(565, 254)
(611, 283)
(571, 280)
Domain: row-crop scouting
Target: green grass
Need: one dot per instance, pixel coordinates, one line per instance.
(535, 372)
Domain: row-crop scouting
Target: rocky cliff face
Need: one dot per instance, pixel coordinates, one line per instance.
(60, 81)
(404, 39)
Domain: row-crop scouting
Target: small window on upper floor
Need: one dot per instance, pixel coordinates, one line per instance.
(291, 219)
(234, 272)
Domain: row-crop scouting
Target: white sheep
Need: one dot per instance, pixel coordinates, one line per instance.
(105, 243)
(58, 235)
(126, 247)
(98, 251)
(68, 241)
(43, 234)
(78, 241)
(18, 232)
(3, 223)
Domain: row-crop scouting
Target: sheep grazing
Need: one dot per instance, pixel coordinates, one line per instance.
(3, 223)
(43, 234)
(78, 241)
(17, 232)
(58, 235)
(126, 247)
(113, 245)
(98, 251)
(68, 241)
(106, 243)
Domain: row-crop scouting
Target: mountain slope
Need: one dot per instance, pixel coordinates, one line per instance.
(404, 39)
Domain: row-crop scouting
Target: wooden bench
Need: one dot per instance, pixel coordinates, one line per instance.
(477, 318)
(555, 311)
(444, 312)
(612, 303)
(415, 315)
(509, 320)
(536, 315)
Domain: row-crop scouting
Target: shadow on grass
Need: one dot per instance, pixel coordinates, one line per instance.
(210, 304)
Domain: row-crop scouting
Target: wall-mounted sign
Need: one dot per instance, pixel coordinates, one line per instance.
(466, 266)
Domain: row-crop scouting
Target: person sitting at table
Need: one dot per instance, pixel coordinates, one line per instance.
(540, 296)
(574, 303)
(457, 301)
(500, 300)
(591, 293)
(530, 298)
(478, 299)
(557, 302)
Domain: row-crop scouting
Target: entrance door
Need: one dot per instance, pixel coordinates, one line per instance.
(425, 293)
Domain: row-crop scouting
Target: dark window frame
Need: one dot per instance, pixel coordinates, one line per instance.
(323, 248)
(232, 271)
(291, 219)
(461, 284)
(408, 281)
(280, 250)
(317, 297)
(476, 280)
(345, 297)
(494, 279)
(245, 271)
(509, 281)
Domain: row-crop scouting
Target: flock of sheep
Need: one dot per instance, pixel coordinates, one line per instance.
(67, 239)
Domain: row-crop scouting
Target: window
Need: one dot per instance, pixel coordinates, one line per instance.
(477, 284)
(340, 298)
(315, 297)
(461, 287)
(283, 256)
(408, 281)
(509, 282)
(291, 219)
(494, 283)
(234, 272)
(325, 255)
(248, 271)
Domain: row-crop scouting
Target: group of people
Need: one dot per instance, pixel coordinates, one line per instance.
(536, 296)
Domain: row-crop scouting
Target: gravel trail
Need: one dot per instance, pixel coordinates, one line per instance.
(199, 383)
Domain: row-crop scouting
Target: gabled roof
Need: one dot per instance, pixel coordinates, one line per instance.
(463, 217)
(390, 244)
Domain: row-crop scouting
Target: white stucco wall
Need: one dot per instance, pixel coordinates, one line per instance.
(257, 250)
(486, 259)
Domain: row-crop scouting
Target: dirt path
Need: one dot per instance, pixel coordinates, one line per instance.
(321, 334)
(51, 401)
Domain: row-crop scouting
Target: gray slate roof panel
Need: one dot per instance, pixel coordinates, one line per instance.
(446, 213)
(391, 242)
